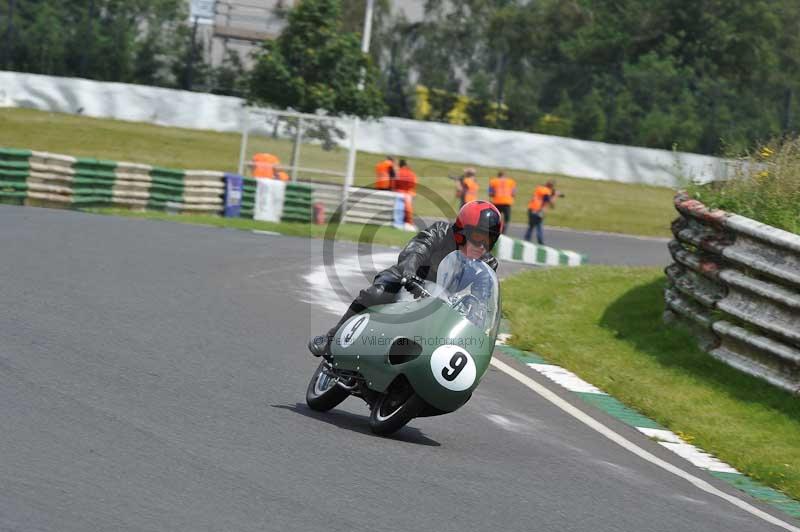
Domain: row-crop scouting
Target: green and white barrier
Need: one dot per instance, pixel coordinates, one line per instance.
(54, 180)
(131, 188)
(166, 189)
(297, 203)
(278, 201)
(14, 171)
(203, 191)
(248, 197)
(92, 182)
(514, 250)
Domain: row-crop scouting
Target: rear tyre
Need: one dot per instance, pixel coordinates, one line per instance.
(393, 409)
(323, 393)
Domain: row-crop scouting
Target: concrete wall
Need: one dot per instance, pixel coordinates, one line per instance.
(411, 138)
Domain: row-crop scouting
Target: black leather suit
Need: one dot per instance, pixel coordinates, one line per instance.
(421, 256)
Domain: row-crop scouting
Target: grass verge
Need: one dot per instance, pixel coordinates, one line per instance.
(604, 324)
(589, 204)
(380, 235)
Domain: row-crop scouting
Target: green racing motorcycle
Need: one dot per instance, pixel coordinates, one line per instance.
(416, 357)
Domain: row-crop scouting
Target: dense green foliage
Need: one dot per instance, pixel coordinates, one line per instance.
(96, 38)
(314, 64)
(765, 186)
(709, 76)
(704, 76)
(132, 41)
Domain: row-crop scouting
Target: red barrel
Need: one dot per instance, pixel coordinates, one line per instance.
(319, 213)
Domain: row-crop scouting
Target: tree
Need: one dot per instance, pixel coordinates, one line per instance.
(313, 65)
(229, 78)
(113, 40)
(188, 68)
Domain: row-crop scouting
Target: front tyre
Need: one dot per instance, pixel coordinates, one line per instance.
(323, 393)
(393, 409)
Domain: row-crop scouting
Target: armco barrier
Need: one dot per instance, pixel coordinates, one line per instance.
(739, 280)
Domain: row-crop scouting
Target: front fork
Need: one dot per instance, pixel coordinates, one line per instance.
(354, 383)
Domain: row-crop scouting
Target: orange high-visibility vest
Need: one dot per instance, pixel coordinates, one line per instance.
(405, 181)
(537, 202)
(470, 189)
(264, 165)
(502, 190)
(383, 174)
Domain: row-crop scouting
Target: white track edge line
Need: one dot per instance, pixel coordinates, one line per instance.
(635, 449)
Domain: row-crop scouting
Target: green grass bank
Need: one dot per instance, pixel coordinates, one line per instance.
(604, 324)
(589, 204)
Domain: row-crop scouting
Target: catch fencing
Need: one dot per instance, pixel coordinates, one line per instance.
(739, 281)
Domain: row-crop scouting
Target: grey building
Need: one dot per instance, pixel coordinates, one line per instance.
(241, 25)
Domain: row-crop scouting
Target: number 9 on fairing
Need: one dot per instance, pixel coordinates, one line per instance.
(453, 368)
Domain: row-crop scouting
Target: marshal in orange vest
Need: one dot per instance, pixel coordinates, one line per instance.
(502, 189)
(264, 165)
(384, 173)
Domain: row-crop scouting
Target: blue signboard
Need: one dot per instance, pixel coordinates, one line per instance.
(233, 195)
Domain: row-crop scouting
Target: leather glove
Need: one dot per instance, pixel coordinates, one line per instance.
(414, 284)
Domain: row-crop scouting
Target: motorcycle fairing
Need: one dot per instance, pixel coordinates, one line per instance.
(453, 353)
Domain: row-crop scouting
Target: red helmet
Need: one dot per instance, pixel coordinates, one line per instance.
(477, 215)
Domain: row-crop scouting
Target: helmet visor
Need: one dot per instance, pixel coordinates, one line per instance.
(481, 239)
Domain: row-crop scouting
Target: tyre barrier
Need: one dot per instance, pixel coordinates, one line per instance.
(738, 282)
(52, 180)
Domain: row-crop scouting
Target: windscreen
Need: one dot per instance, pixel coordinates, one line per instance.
(470, 287)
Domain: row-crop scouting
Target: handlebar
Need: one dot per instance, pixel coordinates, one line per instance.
(414, 286)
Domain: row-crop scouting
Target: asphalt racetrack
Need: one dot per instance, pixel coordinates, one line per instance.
(152, 378)
(604, 248)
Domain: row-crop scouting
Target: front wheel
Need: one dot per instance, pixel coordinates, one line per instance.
(323, 393)
(393, 409)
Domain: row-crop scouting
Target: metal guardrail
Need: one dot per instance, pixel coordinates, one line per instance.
(739, 281)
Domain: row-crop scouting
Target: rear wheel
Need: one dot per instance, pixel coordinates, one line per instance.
(393, 409)
(323, 393)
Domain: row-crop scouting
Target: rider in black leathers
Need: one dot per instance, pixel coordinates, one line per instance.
(420, 260)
